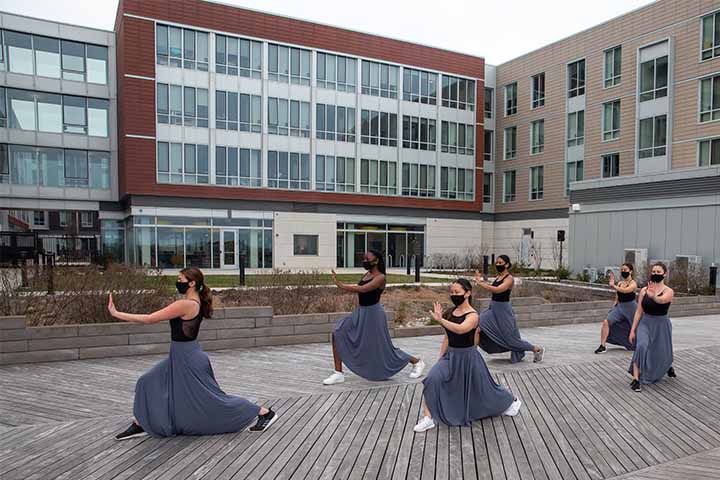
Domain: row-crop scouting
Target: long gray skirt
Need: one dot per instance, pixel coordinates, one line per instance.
(459, 389)
(653, 348)
(499, 332)
(180, 396)
(620, 319)
(363, 341)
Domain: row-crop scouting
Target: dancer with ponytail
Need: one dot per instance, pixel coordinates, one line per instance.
(362, 340)
(616, 327)
(498, 331)
(652, 332)
(179, 395)
(459, 389)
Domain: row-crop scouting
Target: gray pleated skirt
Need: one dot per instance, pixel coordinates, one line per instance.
(459, 389)
(363, 341)
(620, 319)
(653, 348)
(499, 332)
(180, 396)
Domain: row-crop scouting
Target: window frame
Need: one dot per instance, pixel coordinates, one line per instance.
(612, 134)
(539, 147)
(715, 46)
(505, 143)
(574, 163)
(654, 147)
(578, 139)
(510, 106)
(579, 90)
(655, 92)
(615, 158)
(509, 197)
(536, 193)
(537, 95)
(712, 142)
(616, 78)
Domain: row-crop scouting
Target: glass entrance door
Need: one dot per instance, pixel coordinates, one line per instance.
(228, 247)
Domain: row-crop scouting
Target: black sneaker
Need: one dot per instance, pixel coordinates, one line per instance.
(671, 372)
(601, 349)
(635, 386)
(264, 421)
(132, 431)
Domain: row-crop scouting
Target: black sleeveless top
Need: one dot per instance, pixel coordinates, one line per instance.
(651, 307)
(503, 296)
(369, 298)
(460, 340)
(626, 297)
(185, 330)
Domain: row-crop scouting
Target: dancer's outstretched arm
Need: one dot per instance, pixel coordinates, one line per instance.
(506, 284)
(179, 308)
(378, 281)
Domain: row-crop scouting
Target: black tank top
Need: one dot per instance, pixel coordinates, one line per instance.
(651, 307)
(503, 296)
(460, 340)
(626, 297)
(369, 298)
(185, 330)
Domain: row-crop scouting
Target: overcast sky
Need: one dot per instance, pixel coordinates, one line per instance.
(496, 30)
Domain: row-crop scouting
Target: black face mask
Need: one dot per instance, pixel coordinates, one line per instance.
(457, 300)
(367, 264)
(182, 287)
(657, 277)
(500, 268)
(625, 274)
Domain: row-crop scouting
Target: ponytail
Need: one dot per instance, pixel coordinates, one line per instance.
(193, 274)
(381, 260)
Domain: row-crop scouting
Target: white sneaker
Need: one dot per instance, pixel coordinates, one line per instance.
(425, 423)
(417, 369)
(513, 409)
(336, 377)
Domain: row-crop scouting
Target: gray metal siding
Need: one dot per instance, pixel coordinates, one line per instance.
(685, 187)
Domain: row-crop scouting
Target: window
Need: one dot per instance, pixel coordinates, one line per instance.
(237, 56)
(488, 188)
(336, 72)
(54, 167)
(419, 133)
(288, 64)
(653, 136)
(74, 114)
(293, 114)
(710, 36)
(289, 170)
(489, 102)
(611, 165)
(538, 90)
(536, 182)
(458, 93)
(509, 178)
(418, 180)
(457, 183)
(305, 244)
(226, 110)
(378, 128)
(537, 136)
(64, 218)
(489, 146)
(86, 219)
(613, 62)
(709, 152)
(457, 138)
(195, 107)
(510, 99)
(510, 142)
(175, 102)
(47, 56)
(170, 104)
(49, 112)
(378, 177)
(182, 163)
(98, 111)
(97, 64)
(250, 113)
(21, 105)
(39, 218)
(654, 79)
(3, 107)
(576, 78)
(4, 164)
(574, 174)
(611, 120)
(379, 79)
(334, 173)
(99, 170)
(73, 61)
(335, 123)
(710, 99)
(576, 128)
(299, 119)
(76, 168)
(181, 48)
(19, 52)
(419, 86)
(235, 166)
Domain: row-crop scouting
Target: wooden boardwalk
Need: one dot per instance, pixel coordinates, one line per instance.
(579, 419)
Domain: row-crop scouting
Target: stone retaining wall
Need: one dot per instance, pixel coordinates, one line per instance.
(257, 326)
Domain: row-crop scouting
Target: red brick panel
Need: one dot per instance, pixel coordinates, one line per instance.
(138, 107)
(138, 36)
(214, 16)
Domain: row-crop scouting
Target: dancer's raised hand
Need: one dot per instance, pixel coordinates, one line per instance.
(436, 312)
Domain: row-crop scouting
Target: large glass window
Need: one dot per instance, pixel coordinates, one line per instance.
(19, 52)
(50, 161)
(238, 56)
(487, 188)
(537, 136)
(47, 56)
(22, 109)
(488, 145)
(288, 64)
(235, 166)
(710, 46)
(489, 102)
(538, 90)
(378, 128)
(611, 165)
(378, 177)
(334, 173)
(457, 183)
(576, 128)
(510, 142)
(50, 113)
(74, 114)
(611, 120)
(335, 123)
(575, 173)
(98, 117)
(612, 68)
(511, 99)
(182, 163)
(76, 168)
(99, 170)
(576, 78)
(419, 133)
(336, 72)
(458, 93)
(181, 48)
(73, 61)
(420, 86)
(250, 113)
(537, 182)
(288, 170)
(653, 136)
(457, 138)
(509, 186)
(709, 152)
(97, 64)
(418, 180)
(379, 79)
(3, 109)
(654, 78)
(710, 99)
(24, 167)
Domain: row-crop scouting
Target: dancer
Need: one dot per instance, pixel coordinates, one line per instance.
(362, 340)
(179, 395)
(498, 331)
(459, 389)
(652, 332)
(616, 327)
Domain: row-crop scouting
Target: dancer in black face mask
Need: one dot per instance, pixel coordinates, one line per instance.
(498, 331)
(616, 327)
(362, 340)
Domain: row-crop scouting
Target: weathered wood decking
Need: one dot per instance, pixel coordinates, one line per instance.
(579, 419)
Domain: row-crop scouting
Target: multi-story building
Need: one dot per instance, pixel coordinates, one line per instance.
(58, 143)
(611, 134)
(295, 144)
